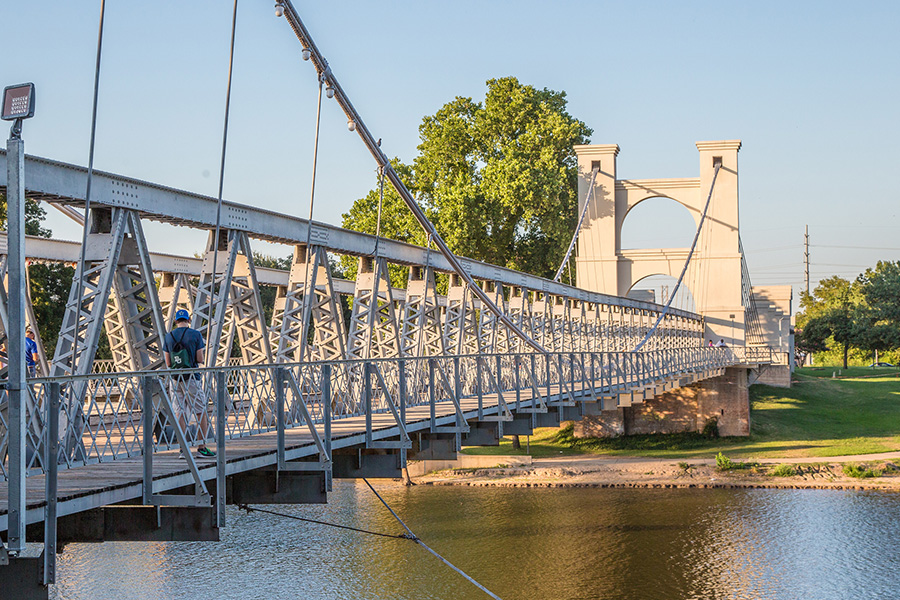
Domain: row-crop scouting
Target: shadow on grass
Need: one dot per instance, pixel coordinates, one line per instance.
(825, 417)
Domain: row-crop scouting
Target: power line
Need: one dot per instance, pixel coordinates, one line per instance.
(857, 247)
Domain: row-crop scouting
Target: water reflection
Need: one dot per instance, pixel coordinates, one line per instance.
(522, 543)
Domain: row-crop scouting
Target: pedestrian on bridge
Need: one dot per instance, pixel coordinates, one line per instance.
(184, 349)
(31, 352)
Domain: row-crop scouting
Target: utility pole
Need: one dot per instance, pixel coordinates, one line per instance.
(806, 257)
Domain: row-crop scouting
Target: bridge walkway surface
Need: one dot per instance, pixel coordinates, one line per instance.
(107, 481)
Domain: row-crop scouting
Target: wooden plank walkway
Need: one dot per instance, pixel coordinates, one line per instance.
(94, 485)
(100, 484)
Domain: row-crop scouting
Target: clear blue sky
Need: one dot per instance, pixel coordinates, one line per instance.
(810, 87)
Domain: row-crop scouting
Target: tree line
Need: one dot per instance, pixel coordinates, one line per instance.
(859, 318)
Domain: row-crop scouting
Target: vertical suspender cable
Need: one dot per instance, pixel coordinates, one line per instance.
(308, 295)
(665, 310)
(312, 189)
(212, 290)
(87, 194)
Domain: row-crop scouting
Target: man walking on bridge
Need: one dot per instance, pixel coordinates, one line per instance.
(184, 350)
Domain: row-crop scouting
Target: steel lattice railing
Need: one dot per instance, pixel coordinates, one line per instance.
(102, 416)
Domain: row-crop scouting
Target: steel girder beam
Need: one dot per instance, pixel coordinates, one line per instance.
(119, 288)
(374, 329)
(84, 315)
(461, 334)
(540, 317)
(421, 333)
(232, 306)
(228, 304)
(493, 338)
(520, 313)
(175, 291)
(54, 181)
(134, 323)
(309, 300)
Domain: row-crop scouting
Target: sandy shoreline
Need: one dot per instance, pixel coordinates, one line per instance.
(635, 472)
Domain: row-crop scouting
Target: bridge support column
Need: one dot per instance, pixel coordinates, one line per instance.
(522, 424)
(483, 433)
(355, 463)
(270, 486)
(433, 446)
(131, 523)
(724, 398)
(21, 579)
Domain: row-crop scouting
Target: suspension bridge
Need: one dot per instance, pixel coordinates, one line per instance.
(98, 450)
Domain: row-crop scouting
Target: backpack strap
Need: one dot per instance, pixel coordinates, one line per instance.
(180, 342)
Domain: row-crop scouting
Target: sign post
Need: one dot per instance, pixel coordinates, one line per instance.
(17, 105)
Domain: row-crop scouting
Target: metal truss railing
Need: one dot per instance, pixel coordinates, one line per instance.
(113, 416)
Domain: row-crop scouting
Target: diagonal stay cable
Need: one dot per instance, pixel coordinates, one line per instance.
(665, 310)
(587, 202)
(250, 509)
(417, 540)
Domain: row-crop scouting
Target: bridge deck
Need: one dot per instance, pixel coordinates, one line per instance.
(95, 485)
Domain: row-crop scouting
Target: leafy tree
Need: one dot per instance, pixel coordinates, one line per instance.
(878, 325)
(50, 284)
(34, 216)
(830, 312)
(498, 179)
(397, 222)
(880, 288)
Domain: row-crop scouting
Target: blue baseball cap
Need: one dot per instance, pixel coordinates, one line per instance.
(182, 315)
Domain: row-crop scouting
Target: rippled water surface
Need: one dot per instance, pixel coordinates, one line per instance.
(522, 543)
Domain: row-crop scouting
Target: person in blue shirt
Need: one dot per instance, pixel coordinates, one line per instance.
(184, 349)
(31, 353)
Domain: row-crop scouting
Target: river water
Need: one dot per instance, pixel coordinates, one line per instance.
(636, 544)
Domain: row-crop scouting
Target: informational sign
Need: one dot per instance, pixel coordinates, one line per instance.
(18, 102)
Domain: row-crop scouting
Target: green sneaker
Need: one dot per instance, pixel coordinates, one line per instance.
(204, 451)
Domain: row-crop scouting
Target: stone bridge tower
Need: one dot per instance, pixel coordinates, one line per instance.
(603, 266)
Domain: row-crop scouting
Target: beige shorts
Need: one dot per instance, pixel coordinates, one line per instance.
(189, 397)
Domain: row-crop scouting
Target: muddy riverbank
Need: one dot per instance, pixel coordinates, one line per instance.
(883, 472)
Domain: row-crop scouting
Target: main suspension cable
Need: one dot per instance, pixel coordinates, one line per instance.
(380, 203)
(79, 299)
(212, 288)
(355, 123)
(665, 310)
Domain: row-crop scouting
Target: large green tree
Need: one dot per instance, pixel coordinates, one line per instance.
(879, 323)
(830, 312)
(863, 314)
(497, 178)
(880, 288)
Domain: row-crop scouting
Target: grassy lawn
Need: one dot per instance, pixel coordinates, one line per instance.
(818, 416)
